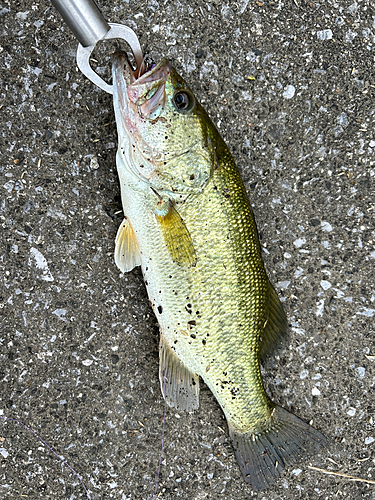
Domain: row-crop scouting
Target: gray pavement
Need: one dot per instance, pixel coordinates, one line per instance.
(291, 87)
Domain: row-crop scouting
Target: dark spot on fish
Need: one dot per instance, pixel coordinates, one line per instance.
(192, 177)
(193, 336)
(175, 341)
(170, 276)
(192, 323)
(160, 309)
(197, 312)
(203, 342)
(141, 166)
(193, 381)
(188, 310)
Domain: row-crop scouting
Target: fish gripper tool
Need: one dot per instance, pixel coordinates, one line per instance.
(89, 26)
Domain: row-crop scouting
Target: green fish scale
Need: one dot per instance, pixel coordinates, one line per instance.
(228, 288)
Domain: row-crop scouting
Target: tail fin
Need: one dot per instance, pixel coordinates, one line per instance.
(263, 456)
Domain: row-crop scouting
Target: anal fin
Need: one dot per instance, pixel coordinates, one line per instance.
(127, 254)
(276, 326)
(181, 384)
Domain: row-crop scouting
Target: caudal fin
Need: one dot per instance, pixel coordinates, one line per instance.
(263, 456)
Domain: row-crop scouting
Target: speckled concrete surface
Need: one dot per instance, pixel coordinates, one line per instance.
(291, 87)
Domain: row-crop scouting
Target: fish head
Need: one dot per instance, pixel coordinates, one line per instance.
(162, 129)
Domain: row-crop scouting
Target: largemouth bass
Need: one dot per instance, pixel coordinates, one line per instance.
(189, 225)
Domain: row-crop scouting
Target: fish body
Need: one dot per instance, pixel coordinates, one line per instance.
(189, 225)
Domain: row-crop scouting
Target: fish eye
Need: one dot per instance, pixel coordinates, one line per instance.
(183, 101)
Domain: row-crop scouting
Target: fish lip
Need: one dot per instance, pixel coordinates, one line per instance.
(159, 72)
(122, 67)
(122, 75)
(144, 93)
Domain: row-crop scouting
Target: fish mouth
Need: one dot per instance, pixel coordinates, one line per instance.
(141, 90)
(139, 99)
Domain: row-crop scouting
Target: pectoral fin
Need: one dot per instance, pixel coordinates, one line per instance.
(181, 385)
(175, 234)
(127, 254)
(276, 326)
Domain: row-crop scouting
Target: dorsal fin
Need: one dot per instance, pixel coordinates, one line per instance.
(276, 326)
(127, 254)
(181, 385)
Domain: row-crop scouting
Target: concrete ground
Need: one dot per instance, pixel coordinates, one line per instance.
(291, 88)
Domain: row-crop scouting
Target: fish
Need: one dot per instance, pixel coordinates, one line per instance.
(189, 225)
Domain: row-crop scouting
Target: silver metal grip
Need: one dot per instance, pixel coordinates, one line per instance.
(118, 31)
(84, 19)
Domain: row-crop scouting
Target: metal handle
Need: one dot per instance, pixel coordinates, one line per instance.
(84, 19)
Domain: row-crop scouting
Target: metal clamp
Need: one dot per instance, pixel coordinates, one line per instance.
(89, 27)
(116, 31)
